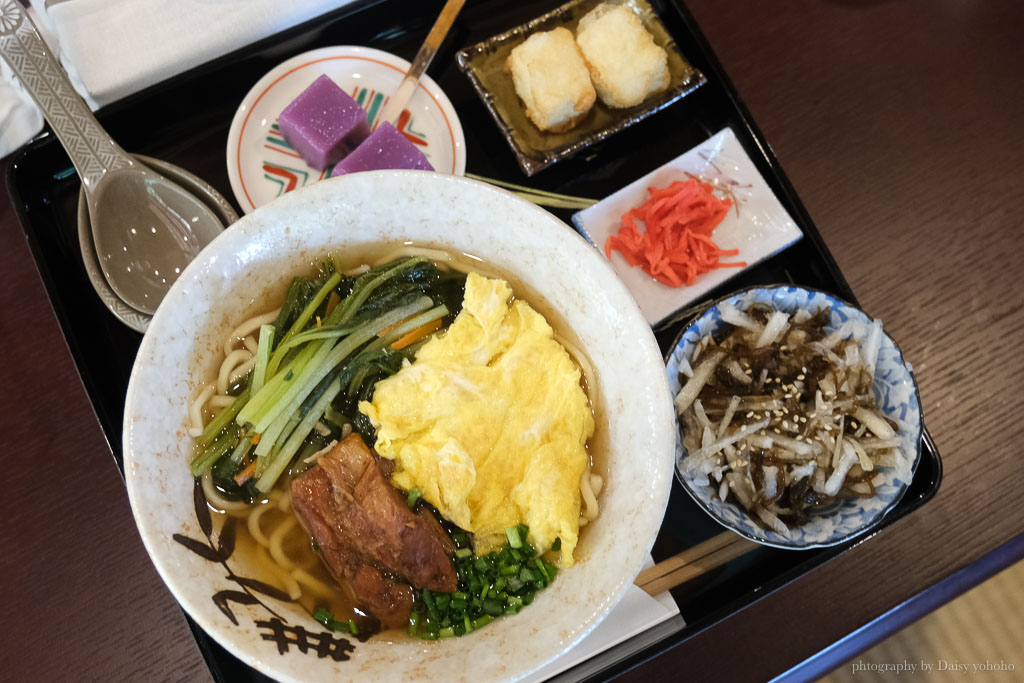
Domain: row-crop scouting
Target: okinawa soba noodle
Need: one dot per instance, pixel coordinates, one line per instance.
(271, 538)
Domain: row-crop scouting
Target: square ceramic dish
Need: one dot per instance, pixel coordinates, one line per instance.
(535, 149)
(757, 224)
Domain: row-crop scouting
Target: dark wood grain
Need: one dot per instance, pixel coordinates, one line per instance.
(898, 123)
(81, 600)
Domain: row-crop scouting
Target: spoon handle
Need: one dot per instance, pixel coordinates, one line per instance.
(92, 151)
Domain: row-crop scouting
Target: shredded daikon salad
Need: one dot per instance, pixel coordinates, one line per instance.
(778, 414)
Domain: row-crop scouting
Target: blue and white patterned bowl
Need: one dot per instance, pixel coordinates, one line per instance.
(895, 389)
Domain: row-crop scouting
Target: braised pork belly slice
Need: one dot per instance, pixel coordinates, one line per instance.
(370, 540)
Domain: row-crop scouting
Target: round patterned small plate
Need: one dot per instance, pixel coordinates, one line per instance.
(895, 390)
(263, 166)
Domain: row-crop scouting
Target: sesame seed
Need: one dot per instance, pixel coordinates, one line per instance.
(804, 368)
(750, 413)
(783, 348)
(785, 425)
(777, 431)
(800, 376)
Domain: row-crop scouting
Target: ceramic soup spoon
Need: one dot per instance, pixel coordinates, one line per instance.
(145, 227)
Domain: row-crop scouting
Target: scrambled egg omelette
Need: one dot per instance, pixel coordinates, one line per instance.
(490, 423)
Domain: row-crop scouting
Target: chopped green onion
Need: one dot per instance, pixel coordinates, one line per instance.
(489, 586)
(513, 537)
(326, 618)
(428, 600)
(414, 620)
(557, 545)
(414, 495)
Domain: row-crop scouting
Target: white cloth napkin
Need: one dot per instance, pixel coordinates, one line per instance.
(113, 48)
(634, 614)
(117, 47)
(20, 119)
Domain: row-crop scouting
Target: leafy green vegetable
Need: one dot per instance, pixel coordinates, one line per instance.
(326, 617)
(314, 366)
(223, 475)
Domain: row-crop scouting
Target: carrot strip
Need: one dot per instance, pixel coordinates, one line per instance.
(246, 473)
(333, 300)
(420, 332)
(675, 247)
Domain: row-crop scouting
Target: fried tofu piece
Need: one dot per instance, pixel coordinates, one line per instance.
(552, 80)
(625, 64)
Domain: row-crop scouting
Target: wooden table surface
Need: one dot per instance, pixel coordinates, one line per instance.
(898, 123)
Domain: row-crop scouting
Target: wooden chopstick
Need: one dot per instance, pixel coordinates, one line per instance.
(693, 562)
(539, 197)
(423, 58)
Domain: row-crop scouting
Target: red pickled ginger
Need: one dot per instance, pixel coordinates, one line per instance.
(676, 247)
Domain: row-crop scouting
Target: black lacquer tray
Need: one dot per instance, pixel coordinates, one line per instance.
(185, 121)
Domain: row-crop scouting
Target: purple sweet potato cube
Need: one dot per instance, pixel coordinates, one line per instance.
(385, 148)
(323, 123)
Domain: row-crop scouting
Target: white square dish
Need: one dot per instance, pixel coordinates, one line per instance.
(757, 224)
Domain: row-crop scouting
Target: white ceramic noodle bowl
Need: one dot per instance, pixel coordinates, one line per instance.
(257, 256)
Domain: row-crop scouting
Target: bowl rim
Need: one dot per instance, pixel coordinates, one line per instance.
(657, 495)
(697, 313)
